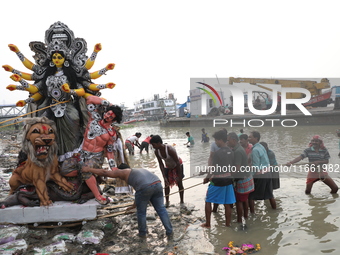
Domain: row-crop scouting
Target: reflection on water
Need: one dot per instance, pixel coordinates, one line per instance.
(316, 221)
(301, 225)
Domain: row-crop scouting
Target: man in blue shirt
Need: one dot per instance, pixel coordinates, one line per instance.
(261, 173)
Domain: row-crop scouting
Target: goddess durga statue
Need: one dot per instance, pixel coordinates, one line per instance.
(61, 82)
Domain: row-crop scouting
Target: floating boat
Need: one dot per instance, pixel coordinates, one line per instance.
(320, 101)
(154, 109)
(134, 120)
(129, 121)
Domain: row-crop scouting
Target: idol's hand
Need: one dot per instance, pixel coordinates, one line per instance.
(14, 48)
(21, 103)
(110, 85)
(15, 77)
(110, 66)
(66, 88)
(11, 87)
(97, 47)
(7, 68)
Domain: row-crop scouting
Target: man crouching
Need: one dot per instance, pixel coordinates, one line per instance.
(148, 187)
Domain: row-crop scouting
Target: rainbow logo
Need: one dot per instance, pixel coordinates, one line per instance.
(209, 93)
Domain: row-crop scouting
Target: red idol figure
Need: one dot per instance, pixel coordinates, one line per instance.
(99, 139)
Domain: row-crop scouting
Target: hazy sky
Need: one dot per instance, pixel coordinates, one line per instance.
(158, 46)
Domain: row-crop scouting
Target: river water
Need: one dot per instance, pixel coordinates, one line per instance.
(302, 224)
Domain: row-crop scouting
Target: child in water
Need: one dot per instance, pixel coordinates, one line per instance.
(190, 140)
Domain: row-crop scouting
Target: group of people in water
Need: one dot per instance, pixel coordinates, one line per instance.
(238, 186)
(254, 173)
(229, 183)
(133, 141)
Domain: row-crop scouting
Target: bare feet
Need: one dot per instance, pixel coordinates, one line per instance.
(205, 225)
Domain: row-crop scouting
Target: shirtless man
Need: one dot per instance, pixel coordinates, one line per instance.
(173, 170)
(99, 139)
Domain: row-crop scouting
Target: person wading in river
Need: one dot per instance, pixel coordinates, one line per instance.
(262, 175)
(220, 189)
(244, 183)
(318, 158)
(173, 170)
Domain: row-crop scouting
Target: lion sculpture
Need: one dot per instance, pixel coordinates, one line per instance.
(39, 143)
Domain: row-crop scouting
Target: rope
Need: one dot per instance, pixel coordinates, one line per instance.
(114, 214)
(119, 206)
(185, 179)
(30, 113)
(12, 123)
(191, 177)
(184, 189)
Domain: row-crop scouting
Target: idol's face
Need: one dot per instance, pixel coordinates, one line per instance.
(109, 116)
(58, 59)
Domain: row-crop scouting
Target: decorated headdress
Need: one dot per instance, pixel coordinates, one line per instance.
(57, 46)
(60, 38)
(59, 31)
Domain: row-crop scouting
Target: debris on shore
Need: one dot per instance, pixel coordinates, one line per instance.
(109, 235)
(113, 232)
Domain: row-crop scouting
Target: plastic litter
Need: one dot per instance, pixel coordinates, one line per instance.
(13, 246)
(8, 234)
(90, 236)
(67, 237)
(55, 249)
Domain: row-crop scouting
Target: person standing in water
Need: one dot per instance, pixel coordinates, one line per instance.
(173, 170)
(190, 141)
(318, 158)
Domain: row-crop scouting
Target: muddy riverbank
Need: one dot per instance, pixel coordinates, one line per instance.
(308, 223)
(105, 235)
